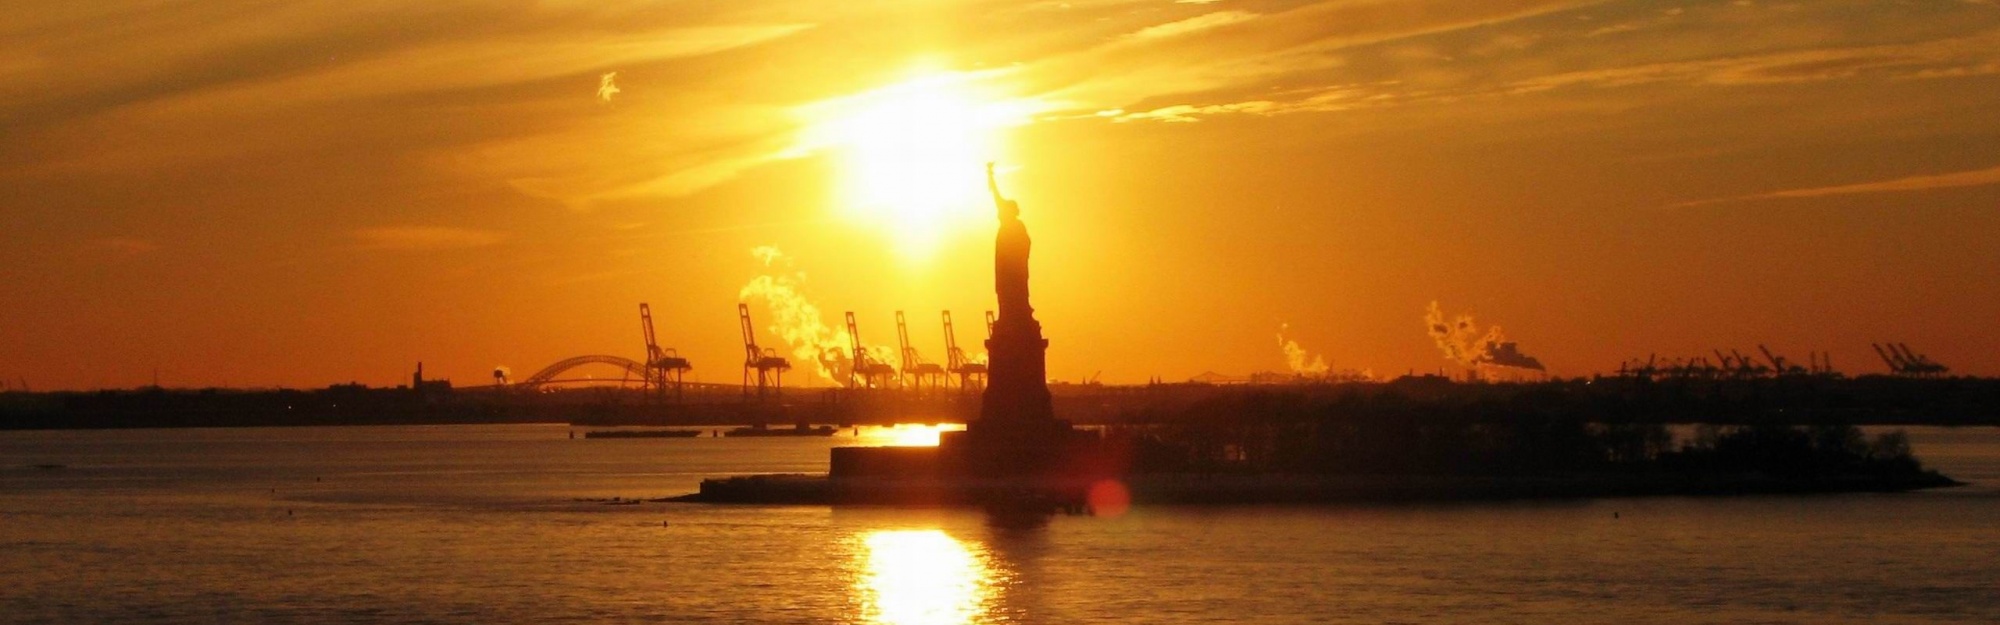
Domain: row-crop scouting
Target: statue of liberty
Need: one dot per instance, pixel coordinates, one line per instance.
(1018, 388)
(1010, 257)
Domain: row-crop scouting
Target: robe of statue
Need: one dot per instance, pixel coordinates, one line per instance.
(1010, 269)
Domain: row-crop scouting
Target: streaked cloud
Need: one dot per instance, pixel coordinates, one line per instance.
(1308, 42)
(1959, 56)
(1927, 182)
(1194, 24)
(426, 238)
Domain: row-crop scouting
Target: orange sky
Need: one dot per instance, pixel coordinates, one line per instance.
(239, 192)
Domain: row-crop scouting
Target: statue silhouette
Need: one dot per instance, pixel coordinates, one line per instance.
(1017, 433)
(1010, 256)
(1017, 389)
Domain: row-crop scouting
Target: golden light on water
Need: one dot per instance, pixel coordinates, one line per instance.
(922, 577)
(912, 434)
(912, 154)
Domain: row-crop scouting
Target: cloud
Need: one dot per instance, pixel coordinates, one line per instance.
(1330, 99)
(426, 238)
(1305, 43)
(1418, 53)
(605, 87)
(1974, 178)
(229, 87)
(1961, 56)
(1194, 24)
(489, 95)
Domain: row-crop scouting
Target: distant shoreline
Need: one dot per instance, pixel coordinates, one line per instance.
(1796, 400)
(793, 489)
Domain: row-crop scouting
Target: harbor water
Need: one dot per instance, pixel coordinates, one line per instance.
(522, 524)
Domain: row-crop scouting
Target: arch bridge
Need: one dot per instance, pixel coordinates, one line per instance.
(548, 375)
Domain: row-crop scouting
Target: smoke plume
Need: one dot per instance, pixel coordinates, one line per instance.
(1463, 343)
(1301, 362)
(797, 321)
(605, 87)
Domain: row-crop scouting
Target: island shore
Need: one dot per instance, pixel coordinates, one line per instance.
(812, 489)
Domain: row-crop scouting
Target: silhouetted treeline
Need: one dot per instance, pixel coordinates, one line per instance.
(1795, 400)
(1536, 431)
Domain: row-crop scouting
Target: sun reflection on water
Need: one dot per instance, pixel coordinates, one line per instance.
(909, 434)
(926, 577)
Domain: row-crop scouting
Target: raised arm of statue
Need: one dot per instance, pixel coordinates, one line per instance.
(994, 186)
(1008, 209)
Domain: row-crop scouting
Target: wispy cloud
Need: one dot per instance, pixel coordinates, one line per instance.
(1959, 56)
(1196, 24)
(426, 238)
(1161, 71)
(1974, 178)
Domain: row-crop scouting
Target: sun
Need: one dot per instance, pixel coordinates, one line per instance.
(911, 155)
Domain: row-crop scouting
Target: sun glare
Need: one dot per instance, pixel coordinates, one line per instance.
(922, 577)
(912, 155)
(913, 434)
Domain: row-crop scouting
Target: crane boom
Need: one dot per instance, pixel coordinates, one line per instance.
(903, 343)
(764, 363)
(1777, 362)
(856, 359)
(954, 358)
(646, 328)
(750, 351)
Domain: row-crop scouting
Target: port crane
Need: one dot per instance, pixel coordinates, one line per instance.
(915, 371)
(762, 363)
(664, 367)
(1906, 362)
(971, 375)
(863, 371)
(1779, 364)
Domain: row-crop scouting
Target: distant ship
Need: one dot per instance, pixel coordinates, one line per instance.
(642, 434)
(797, 430)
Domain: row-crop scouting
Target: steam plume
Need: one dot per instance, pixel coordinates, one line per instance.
(605, 87)
(1462, 342)
(1301, 362)
(798, 321)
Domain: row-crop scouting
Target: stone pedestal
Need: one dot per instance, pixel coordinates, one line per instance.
(1017, 433)
(1017, 388)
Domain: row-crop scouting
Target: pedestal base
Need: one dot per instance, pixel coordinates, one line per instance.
(1042, 448)
(1017, 388)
